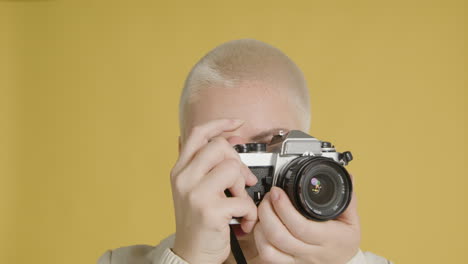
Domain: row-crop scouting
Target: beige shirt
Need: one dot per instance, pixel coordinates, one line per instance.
(162, 254)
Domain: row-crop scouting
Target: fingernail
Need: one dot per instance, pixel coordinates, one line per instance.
(254, 177)
(274, 195)
(248, 173)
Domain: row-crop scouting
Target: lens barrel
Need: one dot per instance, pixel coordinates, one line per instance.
(319, 187)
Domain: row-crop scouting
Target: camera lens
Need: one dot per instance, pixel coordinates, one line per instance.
(320, 190)
(319, 187)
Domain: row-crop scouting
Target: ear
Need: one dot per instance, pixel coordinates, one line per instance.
(180, 144)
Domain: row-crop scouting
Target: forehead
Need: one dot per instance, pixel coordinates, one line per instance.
(263, 109)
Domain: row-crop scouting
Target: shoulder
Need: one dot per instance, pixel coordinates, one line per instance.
(372, 258)
(132, 254)
(136, 254)
(368, 258)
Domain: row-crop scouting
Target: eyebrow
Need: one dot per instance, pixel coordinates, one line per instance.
(267, 133)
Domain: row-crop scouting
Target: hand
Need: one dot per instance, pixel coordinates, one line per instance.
(207, 166)
(283, 235)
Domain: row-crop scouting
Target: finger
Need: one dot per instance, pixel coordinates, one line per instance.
(250, 179)
(216, 151)
(226, 175)
(350, 215)
(240, 207)
(267, 253)
(275, 231)
(200, 135)
(306, 230)
(209, 156)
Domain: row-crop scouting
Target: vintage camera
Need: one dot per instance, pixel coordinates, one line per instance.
(310, 171)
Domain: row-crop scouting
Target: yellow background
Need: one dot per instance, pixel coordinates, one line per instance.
(88, 108)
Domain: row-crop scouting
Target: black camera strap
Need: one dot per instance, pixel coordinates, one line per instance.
(236, 249)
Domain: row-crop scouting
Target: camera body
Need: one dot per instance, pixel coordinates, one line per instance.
(310, 171)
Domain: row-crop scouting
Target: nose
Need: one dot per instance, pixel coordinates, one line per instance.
(234, 140)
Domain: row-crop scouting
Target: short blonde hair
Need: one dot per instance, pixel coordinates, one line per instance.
(245, 60)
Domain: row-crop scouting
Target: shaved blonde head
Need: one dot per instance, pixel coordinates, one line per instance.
(245, 63)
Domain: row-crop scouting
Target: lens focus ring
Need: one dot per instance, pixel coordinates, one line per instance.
(318, 187)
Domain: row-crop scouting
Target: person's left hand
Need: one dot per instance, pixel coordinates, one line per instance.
(283, 235)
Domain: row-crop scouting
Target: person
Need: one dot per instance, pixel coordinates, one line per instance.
(242, 91)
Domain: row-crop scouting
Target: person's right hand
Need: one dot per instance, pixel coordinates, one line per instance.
(207, 166)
